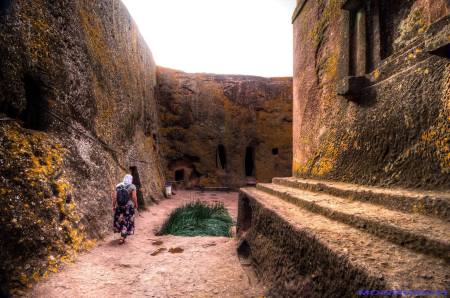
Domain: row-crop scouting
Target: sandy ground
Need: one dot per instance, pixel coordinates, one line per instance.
(207, 266)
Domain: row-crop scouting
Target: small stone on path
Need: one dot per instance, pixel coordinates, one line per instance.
(176, 250)
(158, 251)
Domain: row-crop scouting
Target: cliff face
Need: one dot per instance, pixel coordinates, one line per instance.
(223, 130)
(371, 92)
(77, 111)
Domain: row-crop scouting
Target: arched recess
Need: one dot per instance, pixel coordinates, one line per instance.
(35, 115)
(137, 183)
(221, 157)
(249, 161)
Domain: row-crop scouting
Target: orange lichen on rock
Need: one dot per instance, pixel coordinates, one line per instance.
(36, 192)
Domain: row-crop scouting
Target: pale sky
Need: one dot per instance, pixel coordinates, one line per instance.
(251, 37)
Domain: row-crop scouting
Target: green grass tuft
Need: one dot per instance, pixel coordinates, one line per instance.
(198, 219)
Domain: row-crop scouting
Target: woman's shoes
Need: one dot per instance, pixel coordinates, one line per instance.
(121, 240)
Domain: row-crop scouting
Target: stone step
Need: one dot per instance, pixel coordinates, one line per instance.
(301, 252)
(415, 231)
(432, 203)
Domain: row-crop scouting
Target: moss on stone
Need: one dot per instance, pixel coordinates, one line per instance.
(34, 201)
(331, 9)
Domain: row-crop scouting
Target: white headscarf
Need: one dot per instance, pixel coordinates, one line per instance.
(127, 180)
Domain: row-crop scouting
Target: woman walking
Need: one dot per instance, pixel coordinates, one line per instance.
(125, 206)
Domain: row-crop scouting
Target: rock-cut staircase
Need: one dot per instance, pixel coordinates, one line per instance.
(311, 238)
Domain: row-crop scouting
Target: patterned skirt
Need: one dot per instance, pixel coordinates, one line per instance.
(124, 220)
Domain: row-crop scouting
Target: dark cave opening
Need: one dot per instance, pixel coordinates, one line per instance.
(275, 151)
(244, 251)
(4, 6)
(184, 171)
(249, 162)
(179, 175)
(221, 157)
(35, 116)
(137, 183)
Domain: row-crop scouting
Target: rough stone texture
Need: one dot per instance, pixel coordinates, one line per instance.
(371, 107)
(418, 232)
(392, 128)
(430, 203)
(199, 112)
(302, 253)
(78, 82)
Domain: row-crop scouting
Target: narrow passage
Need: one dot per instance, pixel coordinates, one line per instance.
(181, 266)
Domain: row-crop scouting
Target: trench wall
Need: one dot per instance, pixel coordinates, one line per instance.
(200, 112)
(387, 125)
(78, 109)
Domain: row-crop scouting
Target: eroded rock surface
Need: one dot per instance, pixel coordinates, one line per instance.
(389, 125)
(77, 111)
(223, 130)
(371, 157)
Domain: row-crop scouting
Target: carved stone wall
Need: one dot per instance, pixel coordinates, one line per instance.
(225, 130)
(77, 111)
(386, 123)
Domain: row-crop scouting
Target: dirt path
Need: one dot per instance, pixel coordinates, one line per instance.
(207, 267)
